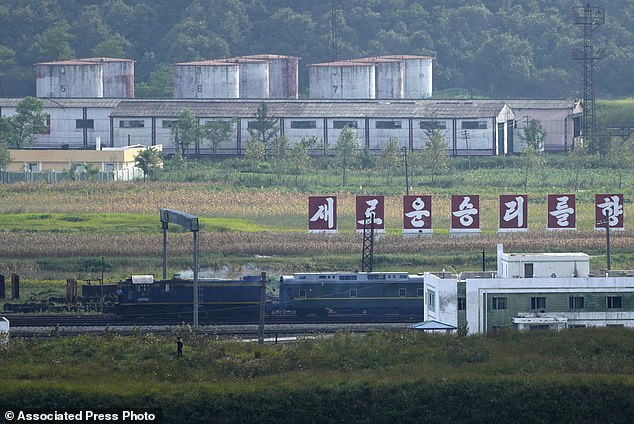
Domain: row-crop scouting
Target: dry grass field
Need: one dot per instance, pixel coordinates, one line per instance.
(60, 229)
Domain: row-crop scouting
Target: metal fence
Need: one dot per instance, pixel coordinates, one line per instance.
(52, 177)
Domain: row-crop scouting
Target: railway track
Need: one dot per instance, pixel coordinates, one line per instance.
(104, 320)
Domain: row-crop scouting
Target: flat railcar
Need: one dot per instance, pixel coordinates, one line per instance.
(372, 293)
(143, 296)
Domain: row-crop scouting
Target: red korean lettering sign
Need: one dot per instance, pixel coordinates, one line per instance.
(608, 208)
(562, 212)
(322, 214)
(369, 209)
(513, 212)
(417, 214)
(465, 213)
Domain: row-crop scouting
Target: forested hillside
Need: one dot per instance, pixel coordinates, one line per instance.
(493, 48)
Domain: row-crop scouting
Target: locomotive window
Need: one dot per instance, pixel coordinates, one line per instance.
(614, 302)
(347, 277)
(402, 292)
(376, 276)
(353, 292)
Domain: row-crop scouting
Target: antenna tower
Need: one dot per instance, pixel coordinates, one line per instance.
(589, 18)
(367, 256)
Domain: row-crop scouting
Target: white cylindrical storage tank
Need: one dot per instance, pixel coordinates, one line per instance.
(254, 79)
(342, 80)
(206, 80)
(71, 78)
(417, 76)
(283, 74)
(118, 77)
(389, 80)
(283, 77)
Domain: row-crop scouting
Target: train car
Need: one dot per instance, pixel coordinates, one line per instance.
(372, 293)
(142, 296)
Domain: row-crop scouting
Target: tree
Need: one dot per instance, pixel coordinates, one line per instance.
(299, 159)
(577, 161)
(598, 142)
(91, 171)
(5, 157)
(159, 85)
(19, 130)
(620, 157)
(264, 129)
(533, 135)
(185, 132)
(433, 156)
(6, 58)
(278, 154)
(54, 43)
(346, 150)
(390, 159)
(217, 132)
(72, 172)
(255, 153)
(114, 46)
(530, 158)
(149, 161)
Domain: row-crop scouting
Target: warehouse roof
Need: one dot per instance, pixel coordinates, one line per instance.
(543, 104)
(70, 102)
(438, 109)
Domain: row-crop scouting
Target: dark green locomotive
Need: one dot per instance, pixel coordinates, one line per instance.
(372, 293)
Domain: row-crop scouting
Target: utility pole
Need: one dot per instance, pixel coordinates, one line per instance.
(262, 308)
(406, 171)
(102, 267)
(466, 140)
(483, 261)
(607, 238)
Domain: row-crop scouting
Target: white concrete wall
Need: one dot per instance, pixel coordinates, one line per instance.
(545, 265)
(446, 299)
